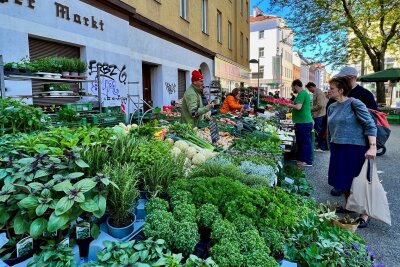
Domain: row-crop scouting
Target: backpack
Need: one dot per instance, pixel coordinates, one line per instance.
(382, 125)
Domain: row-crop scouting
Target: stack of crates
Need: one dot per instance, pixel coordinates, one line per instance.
(79, 107)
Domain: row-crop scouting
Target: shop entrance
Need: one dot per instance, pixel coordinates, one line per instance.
(146, 90)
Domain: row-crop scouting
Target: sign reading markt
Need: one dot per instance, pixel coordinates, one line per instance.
(63, 12)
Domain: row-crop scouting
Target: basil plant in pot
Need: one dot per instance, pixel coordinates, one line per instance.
(121, 199)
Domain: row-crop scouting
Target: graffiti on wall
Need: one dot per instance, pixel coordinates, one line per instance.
(112, 78)
(170, 87)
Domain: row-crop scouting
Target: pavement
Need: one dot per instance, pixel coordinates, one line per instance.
(382, 239)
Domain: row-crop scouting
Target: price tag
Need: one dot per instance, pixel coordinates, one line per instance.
(214, 131)
(83, 230)
(24, 246)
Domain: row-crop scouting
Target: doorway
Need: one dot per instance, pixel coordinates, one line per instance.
(146, 90)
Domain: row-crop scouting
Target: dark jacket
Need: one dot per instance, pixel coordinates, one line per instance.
(365, 96)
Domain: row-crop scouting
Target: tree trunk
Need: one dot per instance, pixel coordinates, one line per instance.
(380, 86)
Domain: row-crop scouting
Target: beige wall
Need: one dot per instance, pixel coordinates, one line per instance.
(167, 13)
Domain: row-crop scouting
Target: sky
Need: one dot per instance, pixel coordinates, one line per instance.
(264, 6)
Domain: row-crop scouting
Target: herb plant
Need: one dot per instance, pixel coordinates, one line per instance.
(54, 256)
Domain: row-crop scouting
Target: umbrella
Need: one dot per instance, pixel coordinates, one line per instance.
(382, 76)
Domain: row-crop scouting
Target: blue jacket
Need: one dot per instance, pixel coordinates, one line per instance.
(349, 127)
(365, 96)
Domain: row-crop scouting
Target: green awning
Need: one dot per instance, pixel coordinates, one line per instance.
(382, 76)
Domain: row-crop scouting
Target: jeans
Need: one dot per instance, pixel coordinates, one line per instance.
(319, 131)
(303, 140)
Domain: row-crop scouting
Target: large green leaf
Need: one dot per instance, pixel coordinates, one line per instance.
(94, 231)
(41, 209)
(4, 216)
(80, 197)
(20, 225)
(62, 186)
(26, 160)
(101, 202)
(75, 175)
(63, 205)
(29, 202)
(37, 227)
(85, 185)
(41, 173)
(36, 186)
(57, 222)
(89, 205)
(81, 163)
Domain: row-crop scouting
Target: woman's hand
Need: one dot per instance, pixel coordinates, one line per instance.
(371, 152)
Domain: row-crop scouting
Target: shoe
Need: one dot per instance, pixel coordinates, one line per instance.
(343, 210)
(336, 192)
(303, 164)
(318, 150)
(362, 223)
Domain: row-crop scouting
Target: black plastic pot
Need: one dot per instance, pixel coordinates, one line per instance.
(83, 245)
(14, 260)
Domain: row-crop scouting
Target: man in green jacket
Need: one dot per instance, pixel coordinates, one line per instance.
(192, 104)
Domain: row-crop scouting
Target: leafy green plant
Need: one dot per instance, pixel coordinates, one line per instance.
(275, 241)
(223, 229)
(159, 224)
(207, 214)
(227, 253)
(68, 115)
(16, 116)
(155, 204)
(54, 256)
(122, 197)
(185, 237)
(184, 212)
(81, 66)
(194, 261)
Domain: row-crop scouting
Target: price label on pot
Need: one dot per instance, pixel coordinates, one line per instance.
(82, 230)
(24, 246)
(214, 131)
(64, 242)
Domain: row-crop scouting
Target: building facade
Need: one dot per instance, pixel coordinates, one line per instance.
(296, 66)
(272, 45)
(141, 56)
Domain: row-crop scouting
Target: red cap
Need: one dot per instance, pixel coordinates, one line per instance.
(196, 75)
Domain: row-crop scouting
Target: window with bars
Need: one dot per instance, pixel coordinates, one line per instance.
(261, 52)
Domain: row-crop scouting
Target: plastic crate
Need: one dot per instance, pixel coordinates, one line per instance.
(79, 106)
(108, 120)
(393, 119)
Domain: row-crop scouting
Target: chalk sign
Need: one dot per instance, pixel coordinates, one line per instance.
(214, 131)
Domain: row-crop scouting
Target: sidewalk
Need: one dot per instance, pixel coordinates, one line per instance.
(382, 239)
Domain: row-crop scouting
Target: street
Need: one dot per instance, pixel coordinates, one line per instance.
(382, 239)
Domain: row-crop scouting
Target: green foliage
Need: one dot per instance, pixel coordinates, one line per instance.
(16, 116)
(259, 258)
(227, 253)
(159, 224)
(207, 214)
(315, 242)
(300, 184)
(54, 256)
(274, 239)
(184, 212)
(68, 115)
(185, 237)
(122, 197)
(155, 204)
(223, 229)
(150, 152)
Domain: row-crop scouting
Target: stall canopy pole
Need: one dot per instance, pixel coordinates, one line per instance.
(98, 88)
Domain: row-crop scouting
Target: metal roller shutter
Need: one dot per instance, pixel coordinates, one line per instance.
(181, 83)
(39, 48)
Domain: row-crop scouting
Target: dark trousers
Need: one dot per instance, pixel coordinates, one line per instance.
(303, 140)
(319, 132)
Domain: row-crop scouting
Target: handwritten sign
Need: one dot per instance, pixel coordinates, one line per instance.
(214, 131)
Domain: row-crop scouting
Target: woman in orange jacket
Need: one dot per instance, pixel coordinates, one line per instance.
(231, 102)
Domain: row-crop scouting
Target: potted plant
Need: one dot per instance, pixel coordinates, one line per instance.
(121, 199)
(11, 68)
(73, 69)
(65, 66)
(18, 249)
(81, 67)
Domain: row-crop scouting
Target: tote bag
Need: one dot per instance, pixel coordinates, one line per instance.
(367, 195)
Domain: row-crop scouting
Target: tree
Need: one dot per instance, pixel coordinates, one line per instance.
(341, 31)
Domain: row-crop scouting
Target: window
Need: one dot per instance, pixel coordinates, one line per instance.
(261, 72)
(241, 7)
(261, 35)
(248, 49)
(261, 52)
(241, 44)
(229, 35)
(219, 21)
(184, 9)
(204, 17)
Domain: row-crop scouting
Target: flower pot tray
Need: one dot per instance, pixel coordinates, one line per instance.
(60, 93)
(349, 227)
